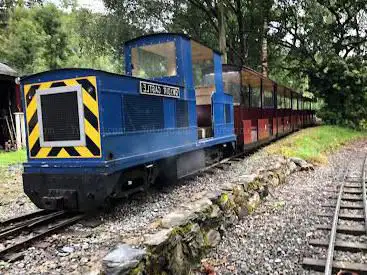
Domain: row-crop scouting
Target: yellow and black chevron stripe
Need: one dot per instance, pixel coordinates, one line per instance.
(91, 121)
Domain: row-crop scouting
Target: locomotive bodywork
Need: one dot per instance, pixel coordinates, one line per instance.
(94, 135)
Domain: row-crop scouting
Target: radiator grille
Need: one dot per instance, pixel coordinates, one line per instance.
(182, 115)
(60, 117)
(142, 113)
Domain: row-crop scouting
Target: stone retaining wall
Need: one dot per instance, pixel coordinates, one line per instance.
(185, 235)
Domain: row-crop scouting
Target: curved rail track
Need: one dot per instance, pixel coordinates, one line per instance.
(351, 195)
(17, 233)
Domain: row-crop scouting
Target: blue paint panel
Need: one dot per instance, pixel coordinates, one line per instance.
(113, 101)
(221, 128)
(218, 73)
(169, 108)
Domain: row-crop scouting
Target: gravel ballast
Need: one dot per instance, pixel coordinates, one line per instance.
(79, 248)
(274, 240)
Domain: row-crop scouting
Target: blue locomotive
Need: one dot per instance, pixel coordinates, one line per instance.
(94, 135)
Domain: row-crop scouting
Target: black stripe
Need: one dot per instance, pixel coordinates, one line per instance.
(54, 151)
(72, 152)
(31, 93)
(88, 87)
(33, 122)
(36, 148)
(92, 119)
(92, 147)
(58, 84)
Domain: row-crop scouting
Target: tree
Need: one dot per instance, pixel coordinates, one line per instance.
(18, 46)
(325, 41)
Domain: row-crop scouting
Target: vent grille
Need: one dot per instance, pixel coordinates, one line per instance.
(60, 117)
(227, 113)
(182, 114)
(142, 113)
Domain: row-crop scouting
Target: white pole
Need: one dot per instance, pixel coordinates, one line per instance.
(22, 126)
(18, 117)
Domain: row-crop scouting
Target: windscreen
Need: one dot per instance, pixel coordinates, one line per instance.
(154, 61)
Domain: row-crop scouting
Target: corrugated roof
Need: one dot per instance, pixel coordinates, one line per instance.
(6, 70)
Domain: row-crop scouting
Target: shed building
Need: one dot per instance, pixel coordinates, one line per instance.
(9, 104)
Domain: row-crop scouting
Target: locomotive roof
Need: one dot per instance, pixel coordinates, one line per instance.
(173, 34)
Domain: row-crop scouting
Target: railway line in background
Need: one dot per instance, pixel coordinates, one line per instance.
(351, 196)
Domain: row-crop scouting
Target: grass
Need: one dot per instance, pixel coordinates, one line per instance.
(313, 144)
(9, 158)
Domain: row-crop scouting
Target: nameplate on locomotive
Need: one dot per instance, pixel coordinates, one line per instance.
(148, 88)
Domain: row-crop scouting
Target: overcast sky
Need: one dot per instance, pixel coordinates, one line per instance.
(94, 5)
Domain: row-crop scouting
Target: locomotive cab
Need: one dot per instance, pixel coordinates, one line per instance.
(182, 61)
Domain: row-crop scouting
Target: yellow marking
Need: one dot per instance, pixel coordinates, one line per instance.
(34, 136)
(84, 152)
(63, 154)
(32, 108)
(45, 85)
(90, 103)
(71, 82)
(92, 79)
(43, 153)
(89, 129)
(26, 89)
(92, 133)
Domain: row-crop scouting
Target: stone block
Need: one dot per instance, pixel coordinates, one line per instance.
(213, 238)
(178, 218)
(253, 202)
(159, 238)
(122, 259)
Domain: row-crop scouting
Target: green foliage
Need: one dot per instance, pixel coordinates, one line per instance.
(343, 86)
(45, 37)
(325, 43)
(313, 144)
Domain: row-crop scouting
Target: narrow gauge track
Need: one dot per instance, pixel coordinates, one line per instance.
(18, 232)
(351, 195)
(41, 223)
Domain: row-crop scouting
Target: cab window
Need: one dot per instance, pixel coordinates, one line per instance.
(154, 61)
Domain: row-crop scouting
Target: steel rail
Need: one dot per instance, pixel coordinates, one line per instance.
(32, 215)
(30, 224)
(364, 178)
(38, 235)
(330, 253)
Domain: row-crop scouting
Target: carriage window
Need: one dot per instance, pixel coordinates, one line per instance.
(232, 85)
(280, 101)
(294, 103)
(253, 81)
(268, 99)
(246, 96)
(288, 103)
(255, 97)
(154, 61)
